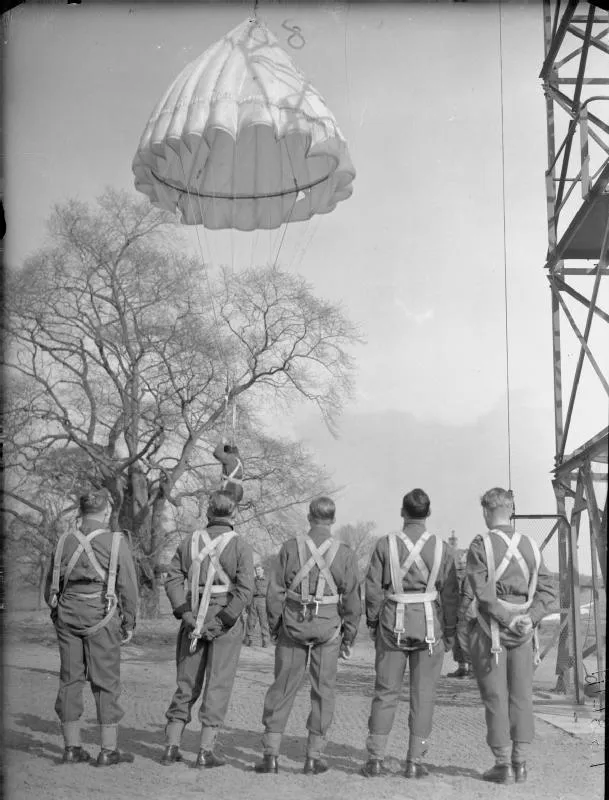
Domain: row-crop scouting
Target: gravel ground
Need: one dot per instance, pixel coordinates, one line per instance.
(560, 767)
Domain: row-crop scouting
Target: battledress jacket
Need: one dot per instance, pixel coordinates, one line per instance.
(229, 462)
(382, 613)
(512, 586)
(329, 618)
(85, 580)
(236, 559)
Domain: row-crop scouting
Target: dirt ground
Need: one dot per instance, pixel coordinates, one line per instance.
(560, 766)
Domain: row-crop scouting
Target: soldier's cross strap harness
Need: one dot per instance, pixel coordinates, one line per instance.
(398, 571)
(494, 575)
(322, 557)
(202, 546)
(108, 578)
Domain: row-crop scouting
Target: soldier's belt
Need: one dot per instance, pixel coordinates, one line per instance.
(311, 600)
(412, 597)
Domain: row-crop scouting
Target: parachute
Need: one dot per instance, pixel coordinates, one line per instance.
(241, 140)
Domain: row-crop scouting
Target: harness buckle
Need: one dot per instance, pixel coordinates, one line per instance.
(495, 651)
(430, 641)
(398, 637)
(194, 638)
(110, 598)
(303, 610)
(54, 600)
(316, 608)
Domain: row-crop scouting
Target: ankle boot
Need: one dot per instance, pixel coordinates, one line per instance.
(269, 763)
(315, 766)
(520, 771)
(373, 768)
(415, 770)
(207, 758)
(500, 773)
(171, 755)
(108, 758)
(75, 755)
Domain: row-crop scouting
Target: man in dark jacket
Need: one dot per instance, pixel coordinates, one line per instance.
(257, 609)
(92, 579)
(218, 567)
(411, 610)
(464, 667)
(314, 608)
(507, 593)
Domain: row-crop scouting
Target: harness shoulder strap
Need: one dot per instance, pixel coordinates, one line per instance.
(113, 565)
(318, 558)
(437, 563)
(85, 545)
(325, 575)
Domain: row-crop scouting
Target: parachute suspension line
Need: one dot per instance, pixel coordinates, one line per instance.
(505, 280)
(221, 354)
(285, 229)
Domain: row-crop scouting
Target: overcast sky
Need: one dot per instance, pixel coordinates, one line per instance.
(416, 255)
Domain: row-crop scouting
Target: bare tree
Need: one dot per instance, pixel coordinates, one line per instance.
(360, 537)
(132, 358)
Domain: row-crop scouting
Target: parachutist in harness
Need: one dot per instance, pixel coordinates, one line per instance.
(314, 608)
(232, 470)
(507, 592)
(217, 566)
(411, 608)
(91, 580)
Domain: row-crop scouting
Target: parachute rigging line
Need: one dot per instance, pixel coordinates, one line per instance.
(505, 282)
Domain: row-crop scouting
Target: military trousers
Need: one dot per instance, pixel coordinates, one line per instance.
(390, 666)
(95, 659)
(257, 613)
(506, 688)
(290, 666)
(210, 670)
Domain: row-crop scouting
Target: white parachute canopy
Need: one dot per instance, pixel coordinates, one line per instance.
(241, 140)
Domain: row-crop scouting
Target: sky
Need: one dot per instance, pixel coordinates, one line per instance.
(415, 256)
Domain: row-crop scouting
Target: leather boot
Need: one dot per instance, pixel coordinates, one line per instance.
(373, 768)
(461, 672)
(75, 755)
(415, 770)
(171, 755)
(500, 773)
(108, 758)
(269, 763)
(520, 771)
(315, 766)
(207, 758)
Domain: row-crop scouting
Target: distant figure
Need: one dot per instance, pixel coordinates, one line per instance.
(218, 567)
(464, 667)
(91, 580)
(411, 609)
(507, 592)
(232, 470)
(257, 610)
(314, 609)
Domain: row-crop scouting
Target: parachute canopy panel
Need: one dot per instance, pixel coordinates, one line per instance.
(242, 140)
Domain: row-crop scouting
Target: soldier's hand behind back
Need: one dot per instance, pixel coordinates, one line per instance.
(345, 651)
(188, 618)
(126, 637)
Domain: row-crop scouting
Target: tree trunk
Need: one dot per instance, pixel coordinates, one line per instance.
(150, 597)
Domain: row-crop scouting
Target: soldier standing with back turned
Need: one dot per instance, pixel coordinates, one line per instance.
(314, 608)
(91, 584)
(411, 609)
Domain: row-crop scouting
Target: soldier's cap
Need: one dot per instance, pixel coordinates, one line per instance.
(94, 502)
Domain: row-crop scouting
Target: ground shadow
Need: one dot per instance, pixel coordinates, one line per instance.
(53, 672)
(454, 772)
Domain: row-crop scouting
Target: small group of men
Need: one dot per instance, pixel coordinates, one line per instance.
(314, 608)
